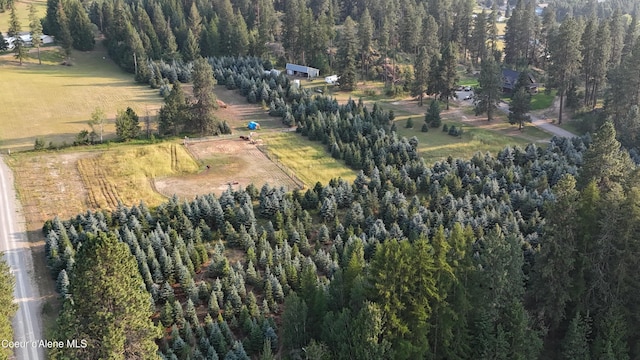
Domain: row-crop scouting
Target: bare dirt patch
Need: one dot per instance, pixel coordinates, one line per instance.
(239, 112)
(225, 163)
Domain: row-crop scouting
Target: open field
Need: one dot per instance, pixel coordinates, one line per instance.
(437, 145)
(22, 10)
(225, 163)
(480, 135)
(66, 183)
(239, 112)
(55, 102)
(125, 174)
(308, 159)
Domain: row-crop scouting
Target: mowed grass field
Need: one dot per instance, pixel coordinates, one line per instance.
(307, 159)
(22, 10)
(55, 102)
(437, 145)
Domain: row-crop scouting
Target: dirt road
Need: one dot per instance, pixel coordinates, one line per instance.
(27, 328)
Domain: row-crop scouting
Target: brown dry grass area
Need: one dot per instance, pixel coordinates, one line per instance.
(49, 185)
(239, 112)
(234, 162)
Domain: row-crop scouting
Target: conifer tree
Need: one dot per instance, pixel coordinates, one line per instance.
(203, 119)
(487, 94)
(365, 34)
(576, 342)
(64, 32)
(194, 21)
(192, 48)
(294, 318)
(80, 27)
(173, 115)
(432, 117)
(51, 24)
(127, 124)
(346, 56)
(519, 108)
(3, 43)
(604, 161)
(565, 58)
(19, 47)
(36, 30)
(111, 309)
(421, 74)
(478, 46)
(447, 73)
(552, 275)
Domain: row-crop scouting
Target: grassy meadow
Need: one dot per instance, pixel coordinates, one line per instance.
(55, 102)
(437, 145)
(308, 159)
(22, 10)
(125, 173)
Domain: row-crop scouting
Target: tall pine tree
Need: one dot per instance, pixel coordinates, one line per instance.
(110, 307)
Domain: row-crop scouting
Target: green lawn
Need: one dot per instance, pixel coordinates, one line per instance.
(541, 100)
(22, 10)
(570, 125)
(55, 102)
(468, 81)
(307, 159)
(437, 145)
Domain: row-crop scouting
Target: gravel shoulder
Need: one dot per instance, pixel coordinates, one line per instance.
(14, 243)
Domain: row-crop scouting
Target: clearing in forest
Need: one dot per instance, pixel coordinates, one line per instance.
(66, 183)
(224, 163)
(239, 112)
(22, 10)
(308, 159)
(55, 102)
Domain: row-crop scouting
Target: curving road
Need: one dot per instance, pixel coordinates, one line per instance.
(541, 122)
(27, 326)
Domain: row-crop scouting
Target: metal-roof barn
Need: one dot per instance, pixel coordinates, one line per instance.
(293, 69)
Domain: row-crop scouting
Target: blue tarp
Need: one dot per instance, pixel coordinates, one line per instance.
(253, 125)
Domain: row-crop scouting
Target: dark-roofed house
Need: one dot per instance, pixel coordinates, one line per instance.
(510, 79)
(301, 70)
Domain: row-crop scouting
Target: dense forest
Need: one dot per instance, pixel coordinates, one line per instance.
(587, 52)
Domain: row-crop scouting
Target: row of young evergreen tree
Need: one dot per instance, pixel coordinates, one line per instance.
(480, 265)
(348, 131)
(499, 201)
